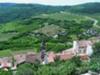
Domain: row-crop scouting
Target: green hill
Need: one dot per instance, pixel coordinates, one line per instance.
(27, 34)
(11, 11)
(28, 24)
(87, 8)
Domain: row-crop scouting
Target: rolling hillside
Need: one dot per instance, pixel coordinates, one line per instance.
(22, 27)
(28, 33)
(88, 8)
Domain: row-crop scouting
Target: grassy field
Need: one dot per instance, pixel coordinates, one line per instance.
(5, 53)
(6, 36)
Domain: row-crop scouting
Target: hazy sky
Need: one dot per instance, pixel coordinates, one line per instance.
(50, 2)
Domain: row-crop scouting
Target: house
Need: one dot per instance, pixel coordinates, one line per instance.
(19, 58)
(67, 54)
(5, 65)
(80, 46)
(31, 57)
(5, 62)
(51, 57)
(83, 49)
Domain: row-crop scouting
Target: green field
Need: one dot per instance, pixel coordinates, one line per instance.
(5, 53)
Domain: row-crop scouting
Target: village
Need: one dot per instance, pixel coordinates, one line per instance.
(82, 48)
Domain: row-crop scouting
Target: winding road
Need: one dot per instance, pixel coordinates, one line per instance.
(95, 24)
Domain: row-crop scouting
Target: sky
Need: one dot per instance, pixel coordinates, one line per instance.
(50, 2)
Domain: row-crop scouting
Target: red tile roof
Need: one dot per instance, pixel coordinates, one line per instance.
(31, 58)
(19, 58)
(51, 56)
(66, 56)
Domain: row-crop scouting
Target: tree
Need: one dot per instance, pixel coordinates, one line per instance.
(2, 72)
(25, 69)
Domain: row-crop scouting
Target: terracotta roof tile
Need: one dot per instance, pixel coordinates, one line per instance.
(66, 56)
(31, 58)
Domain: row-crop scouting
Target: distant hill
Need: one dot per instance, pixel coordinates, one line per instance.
(90, 8)
(6, 4)
(11, 11)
